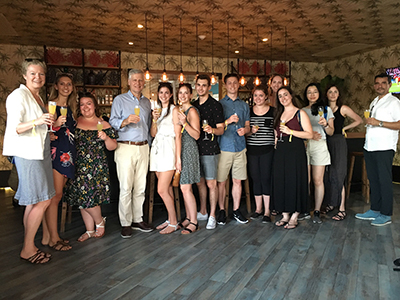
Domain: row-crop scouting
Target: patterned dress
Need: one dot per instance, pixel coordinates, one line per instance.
(91, 186)
(189, 157)
(63, 150)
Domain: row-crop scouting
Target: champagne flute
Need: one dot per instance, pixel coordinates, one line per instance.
(283, 123)
(367, 114)
(63, 111)
(256, 127)
(205, 124)
(137, 113)
(52, 110)
(320, 111)
(99, 126)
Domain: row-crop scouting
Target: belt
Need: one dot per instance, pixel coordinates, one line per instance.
(133, 143)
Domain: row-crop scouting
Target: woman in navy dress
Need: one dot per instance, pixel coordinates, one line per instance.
(63, 154)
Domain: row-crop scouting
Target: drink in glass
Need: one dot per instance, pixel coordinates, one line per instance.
(283, 123)
(205, 124)
(367, 114)
(63, 110)
(99, 126)
(52, 110)
(137, 110)
(320, 111)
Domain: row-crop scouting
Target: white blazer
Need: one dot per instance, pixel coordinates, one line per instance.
(22, 107)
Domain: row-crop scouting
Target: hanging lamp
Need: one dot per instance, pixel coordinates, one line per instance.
(242, 80)
(285, 80)
(197, 50)
(181, 76)
(257, 80)
(164, 76)
(227, 63)
(213, 78)
(147, 75)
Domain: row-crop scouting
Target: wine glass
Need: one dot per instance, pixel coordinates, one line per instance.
(367, 114)
(137, 112)
(99, 126)
(63, 111)
(283, 123)
(320, 111)
(256, 126)
(205, 124)
(52, 110)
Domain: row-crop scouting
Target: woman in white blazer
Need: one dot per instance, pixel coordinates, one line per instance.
(27, 140)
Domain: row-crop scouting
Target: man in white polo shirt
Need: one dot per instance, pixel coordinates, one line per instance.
(379, 148)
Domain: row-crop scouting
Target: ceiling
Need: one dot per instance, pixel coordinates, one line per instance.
(312, 26)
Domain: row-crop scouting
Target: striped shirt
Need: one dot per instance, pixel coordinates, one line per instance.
(264, 140)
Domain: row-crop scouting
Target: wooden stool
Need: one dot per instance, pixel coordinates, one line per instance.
(151, 189)
(364, 178)
(247, 192)
(65, 208)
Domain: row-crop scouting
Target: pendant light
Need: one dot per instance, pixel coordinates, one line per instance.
(213, 78)
(147, 75)
(285, 81)
(164, 76)
(242, 80)
(197, 50)
(181, 76)
(257, 80)
(227, 63)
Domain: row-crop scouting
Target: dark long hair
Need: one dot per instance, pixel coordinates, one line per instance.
(339, 101)
(320, 101)
(280, 108)
(96, 104)
(171, 99)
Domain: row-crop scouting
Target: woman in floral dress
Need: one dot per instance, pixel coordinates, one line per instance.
(63, 155)
(91, 186)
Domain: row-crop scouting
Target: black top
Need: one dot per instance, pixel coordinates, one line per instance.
(264, 140)
(212, 111)
(338, 122)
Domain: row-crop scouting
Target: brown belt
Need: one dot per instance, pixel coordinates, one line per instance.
(133, 143)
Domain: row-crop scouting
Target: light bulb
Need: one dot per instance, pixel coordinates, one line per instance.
(257, 81)
(181, 77)
(242, 81)
(147, 75)
(164, 76)
(285, 82)
(213, 79)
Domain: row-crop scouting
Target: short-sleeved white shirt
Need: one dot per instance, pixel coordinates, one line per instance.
(377, 138)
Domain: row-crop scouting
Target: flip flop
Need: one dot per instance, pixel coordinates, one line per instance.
(281, 223)
(61, 246)
(38, 258)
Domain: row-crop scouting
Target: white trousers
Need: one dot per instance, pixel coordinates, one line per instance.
(132, 166)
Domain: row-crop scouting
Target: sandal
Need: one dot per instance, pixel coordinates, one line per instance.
(274, 212)
(61, 246)
(187, 230)
(281, 223)
(39, 257)
(176, 227)
(328, 209)
(291, 225)
(87, 235)
(61, 240)
(163, 225)
(102, 224)
(181, 222)
(340, 216)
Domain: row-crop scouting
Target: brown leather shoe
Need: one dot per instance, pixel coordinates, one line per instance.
(142, 226)
(126, 232)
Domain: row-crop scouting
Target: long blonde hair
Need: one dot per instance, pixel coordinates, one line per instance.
(72, 98)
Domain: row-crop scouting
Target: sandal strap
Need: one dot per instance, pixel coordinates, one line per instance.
(191, 223)
(102, 223)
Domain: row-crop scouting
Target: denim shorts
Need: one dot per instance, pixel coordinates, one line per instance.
(209, 166)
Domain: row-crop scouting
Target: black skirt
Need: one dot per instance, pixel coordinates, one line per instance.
(290, 176)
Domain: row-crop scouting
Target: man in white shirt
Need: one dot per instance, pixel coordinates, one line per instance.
(379, 148)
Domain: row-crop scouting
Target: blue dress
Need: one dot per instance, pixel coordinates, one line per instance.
(63, 151)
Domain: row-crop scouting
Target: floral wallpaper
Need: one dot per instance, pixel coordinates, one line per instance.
(358, 71)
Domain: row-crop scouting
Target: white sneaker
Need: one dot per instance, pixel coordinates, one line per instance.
(211, 223)
(202, 217)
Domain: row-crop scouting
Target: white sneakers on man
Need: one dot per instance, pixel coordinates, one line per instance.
(211, 223)
(202, 217)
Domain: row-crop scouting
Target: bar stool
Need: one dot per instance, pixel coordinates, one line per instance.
(364, 178)
(150, 192)
(247, 193)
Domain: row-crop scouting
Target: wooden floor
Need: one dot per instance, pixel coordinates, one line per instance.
(335, 260)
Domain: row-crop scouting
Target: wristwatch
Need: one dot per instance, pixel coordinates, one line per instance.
(381, 124)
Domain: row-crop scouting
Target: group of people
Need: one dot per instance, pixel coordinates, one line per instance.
(283, 146)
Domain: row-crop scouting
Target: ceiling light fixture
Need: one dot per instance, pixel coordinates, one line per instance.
(164, 76)
(265, 39)
(257, 80)
(140, 26)
(285, 81)
(147, 75)
(181, 76)
(197, 49)
(237, 51)
(227, 62)
(242, 80)
(130, 43)
(213, 78)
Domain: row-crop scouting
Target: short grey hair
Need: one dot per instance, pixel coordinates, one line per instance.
(32, 61)
(134, 71)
